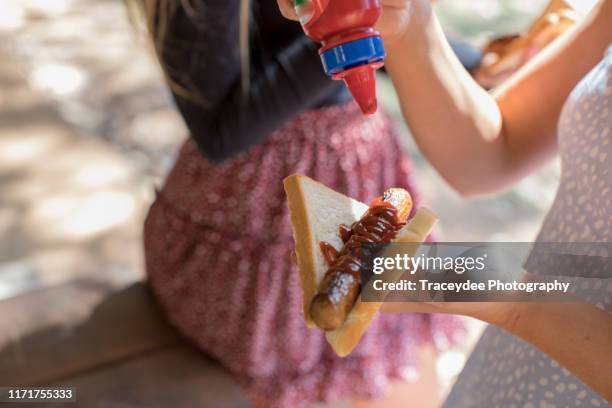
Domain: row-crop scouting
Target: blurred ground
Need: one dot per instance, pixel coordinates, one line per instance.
(87, 129)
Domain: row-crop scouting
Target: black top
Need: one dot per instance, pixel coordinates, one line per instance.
(201, 52)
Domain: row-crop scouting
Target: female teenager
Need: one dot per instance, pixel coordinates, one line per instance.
(550, 354)
(218, 238)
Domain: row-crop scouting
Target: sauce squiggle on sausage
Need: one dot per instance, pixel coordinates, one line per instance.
(378, 226)
(341, 284)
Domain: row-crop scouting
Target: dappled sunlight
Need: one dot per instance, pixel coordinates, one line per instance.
(583, 6)
(8, 220)
(17, 275)
(159, 129)
(58, 260)
(27, 145)
(14, 13)
(84, 167)
(43, 161)
(44, 267)
(20, 191)
(483, 8)
(99, 173)
(75, 217)
(479, 20)
(449, 365)
(12, 16)
(61, 79)
(38, 184)
(49, 8)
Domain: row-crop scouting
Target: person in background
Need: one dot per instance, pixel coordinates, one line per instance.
(535, 354)
(218, 240)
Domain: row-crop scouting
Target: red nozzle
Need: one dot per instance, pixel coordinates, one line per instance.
(361, 81)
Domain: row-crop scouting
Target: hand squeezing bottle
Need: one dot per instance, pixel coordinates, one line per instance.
(351, 49)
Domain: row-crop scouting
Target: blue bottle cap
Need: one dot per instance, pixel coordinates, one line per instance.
(352, 54)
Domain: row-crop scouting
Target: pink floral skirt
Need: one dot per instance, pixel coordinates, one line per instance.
(218, 255)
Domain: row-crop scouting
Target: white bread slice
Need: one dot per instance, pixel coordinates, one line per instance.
(316, 213)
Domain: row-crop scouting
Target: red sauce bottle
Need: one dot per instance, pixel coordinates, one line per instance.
(351, 49)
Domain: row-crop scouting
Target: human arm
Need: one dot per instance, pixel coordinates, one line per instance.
(577, 335)
(480, 142)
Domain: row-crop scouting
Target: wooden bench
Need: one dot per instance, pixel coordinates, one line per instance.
(112, 345)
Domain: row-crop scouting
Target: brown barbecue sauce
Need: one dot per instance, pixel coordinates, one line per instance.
(378, 226)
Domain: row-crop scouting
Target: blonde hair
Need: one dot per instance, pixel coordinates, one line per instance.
(157, 16)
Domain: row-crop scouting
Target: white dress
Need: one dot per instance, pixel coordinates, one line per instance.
(504, 371)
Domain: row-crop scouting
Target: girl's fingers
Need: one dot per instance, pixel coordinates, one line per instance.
(287, 10)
